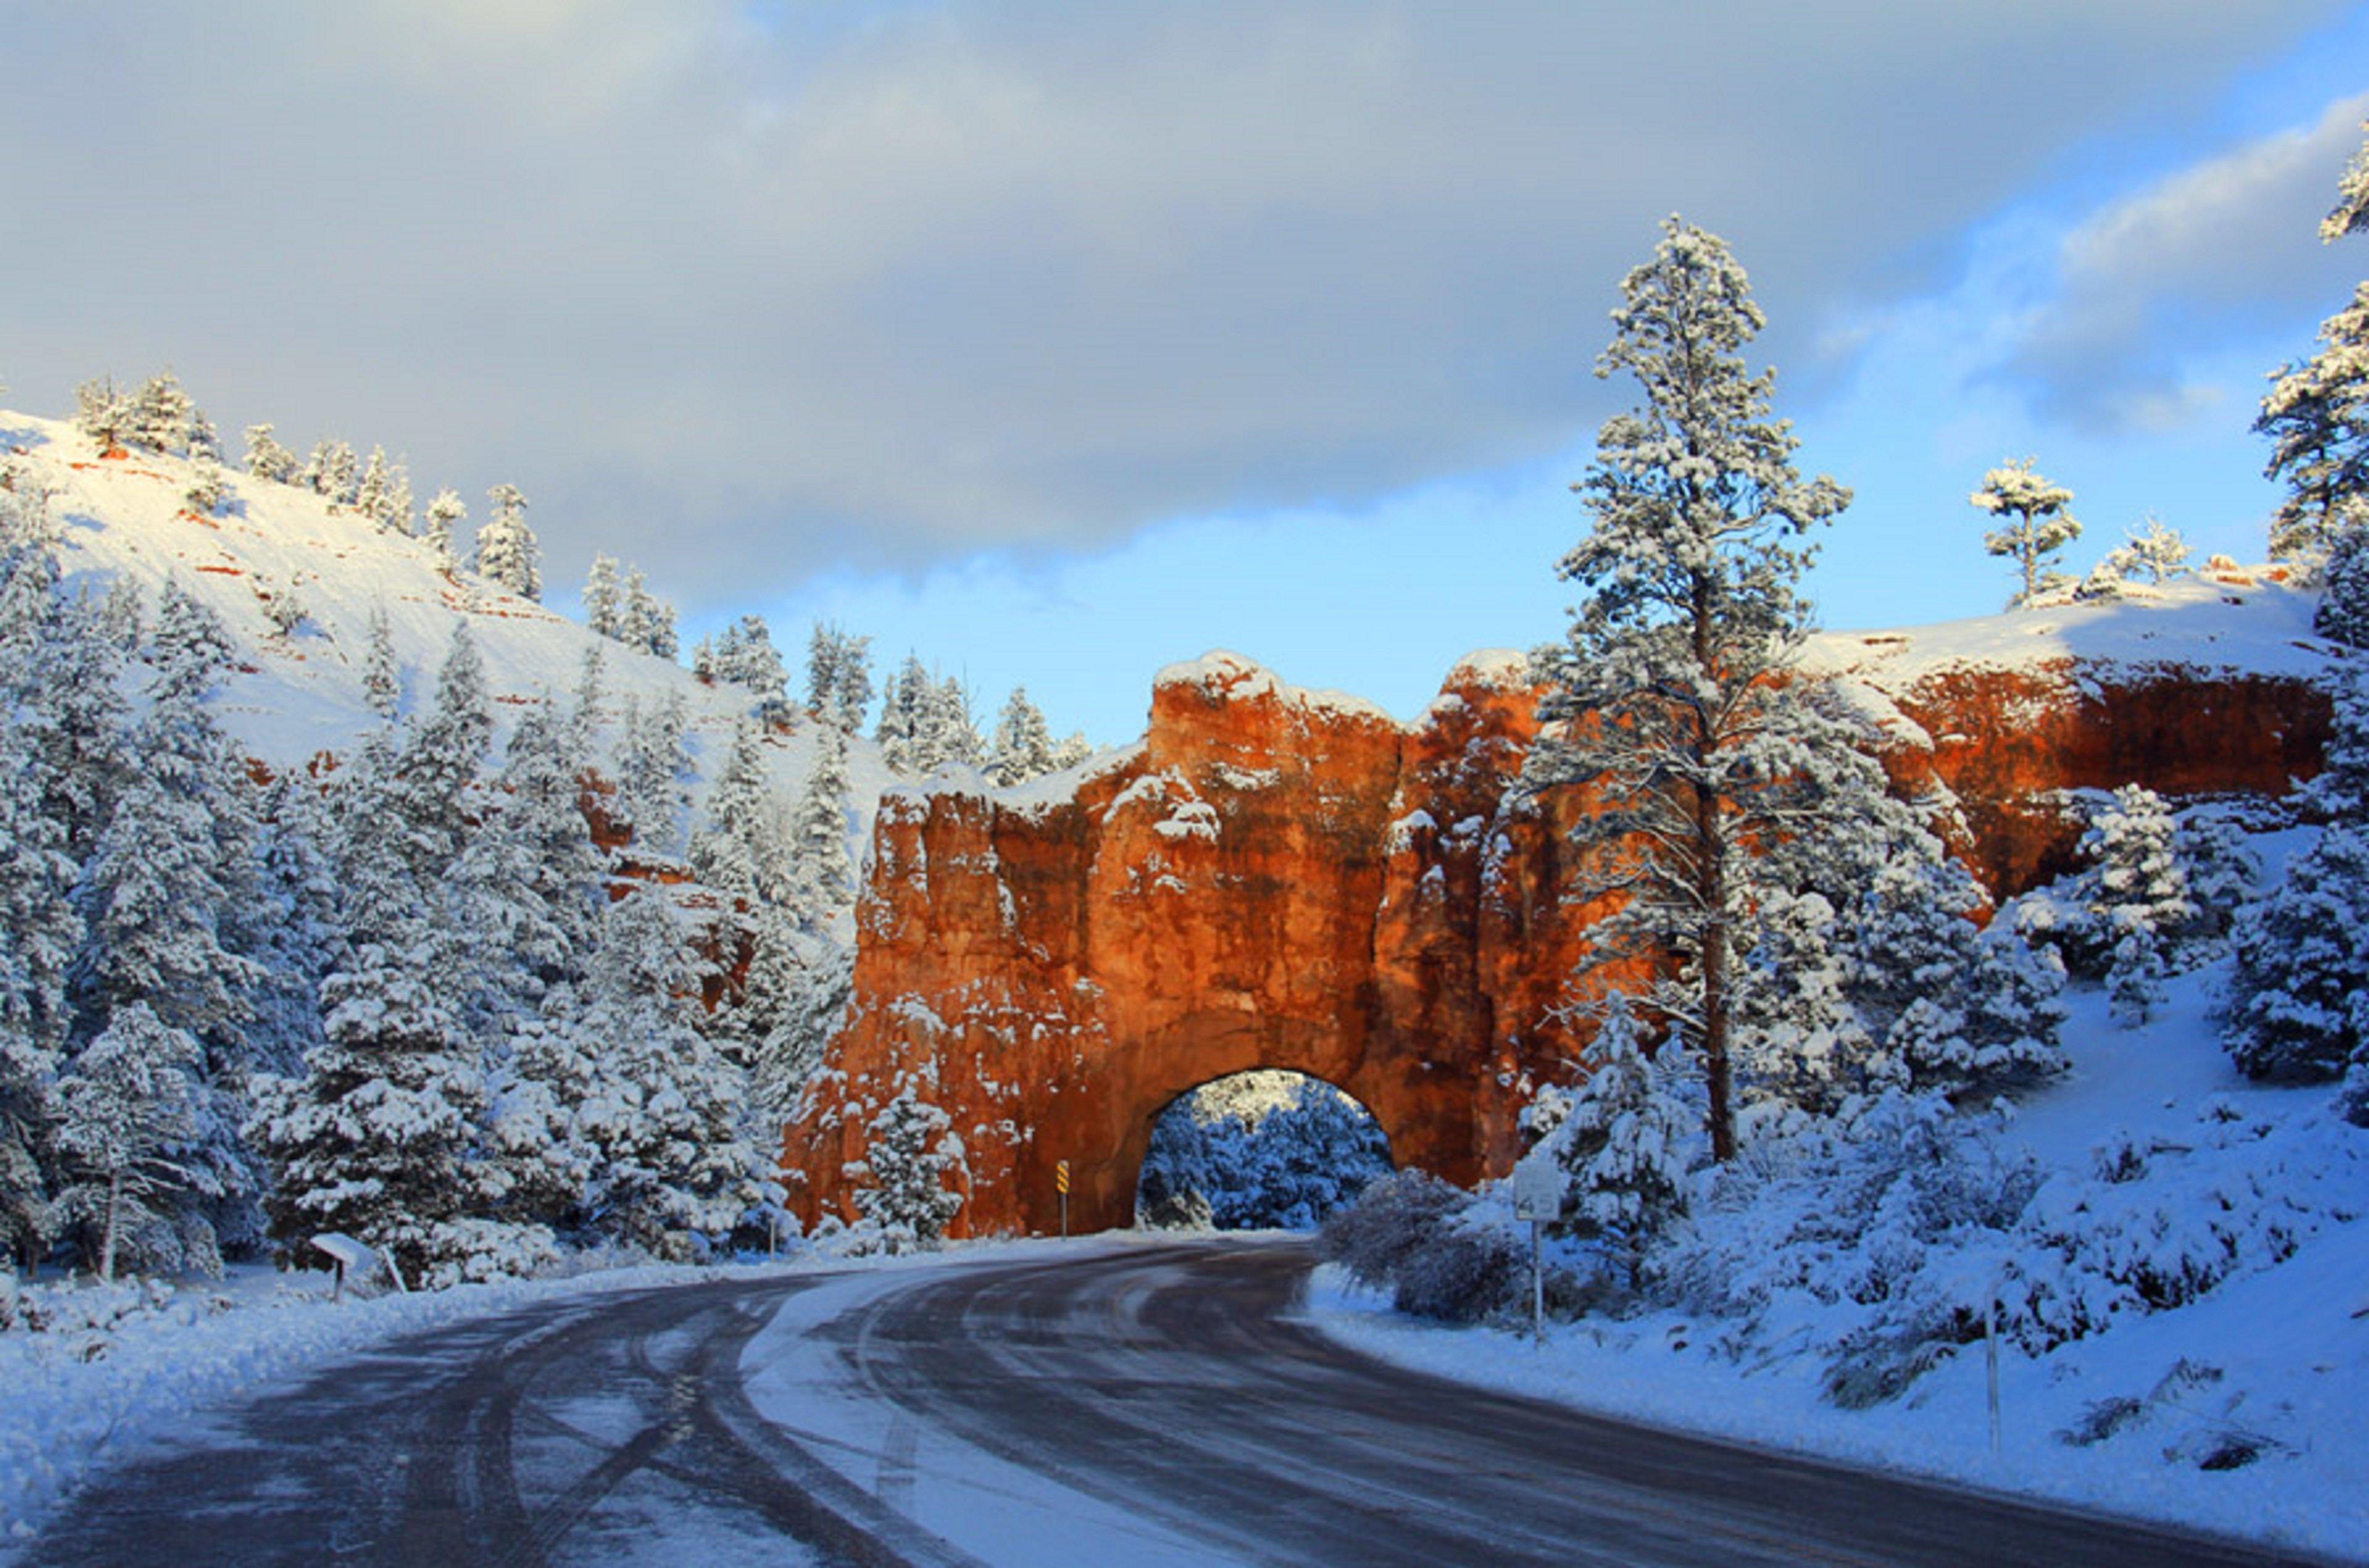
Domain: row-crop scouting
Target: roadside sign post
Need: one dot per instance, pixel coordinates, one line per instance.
(1061, 1185)
(1538, 1197)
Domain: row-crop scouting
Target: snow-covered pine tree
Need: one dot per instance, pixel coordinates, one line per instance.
(647, 622)
(601, 597)
(332, 471)
(660, 1114)
(2140, 897)
(446, 513)
(267, 459)
(292, 929)
(39, 934)
(2343, 612)
(435, 783)
(901, 1179)
(822, 669)
(822, 877)
(371, 489)
(948, 736)
(1023, 743)
(737, 851)
(2316, 413)
(163, 417)
(654, 768)
(530, 871)
(852, 697)
(2350, 214)
(383, 1136)
(381, 682)
(902, 706)
(507, 555)
(102, 414)
(2038, 525)
(208, 488)
(811, 1005)
(126, 1108)
(2150, 552)
(1071, 749)
(1627, 1141)
(1666, 685)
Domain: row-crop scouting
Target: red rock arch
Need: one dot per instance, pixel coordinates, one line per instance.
(1279, 878)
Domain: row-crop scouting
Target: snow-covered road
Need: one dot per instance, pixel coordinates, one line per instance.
(1113, 1401)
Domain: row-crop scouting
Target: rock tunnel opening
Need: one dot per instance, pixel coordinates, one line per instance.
(1259, 1151)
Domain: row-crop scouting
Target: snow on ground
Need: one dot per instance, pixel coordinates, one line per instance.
(2280, 1355)
(2243, 622)
(82, 1398)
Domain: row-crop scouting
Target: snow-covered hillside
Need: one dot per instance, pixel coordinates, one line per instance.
(298, 694)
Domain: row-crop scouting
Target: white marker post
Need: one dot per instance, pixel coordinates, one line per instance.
(1538, 1197)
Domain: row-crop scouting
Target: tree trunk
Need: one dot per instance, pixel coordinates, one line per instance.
(107, 1247)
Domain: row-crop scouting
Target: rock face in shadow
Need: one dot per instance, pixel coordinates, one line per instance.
(1280, 878)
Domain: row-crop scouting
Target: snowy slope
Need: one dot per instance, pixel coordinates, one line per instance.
(2245, 622)
(296, 696)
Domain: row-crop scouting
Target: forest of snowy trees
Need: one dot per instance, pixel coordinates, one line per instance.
(411, 999)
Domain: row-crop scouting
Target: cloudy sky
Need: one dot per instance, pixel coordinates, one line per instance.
(1057, 340)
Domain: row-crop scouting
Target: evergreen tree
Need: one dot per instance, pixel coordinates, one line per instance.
(1666, 685)
(2343, 612)
(102, 414)
(2295, 1010)
(901, 704)
(39, 934)
(1072, 749)
(652, 768)
(1626, 1141)
(2142, 898)
(600, 597)
(436, 783)
(852, 696)
(2316, 416)
(382, 685)
(2350, 214)
(801, 1015)
(822, 670)
(331, 471)
(446, 512)
(530, 871)
(508, 554)
(657, 1113)
(1023, 743)
(126, 1106)
(946, 735)
(822, 876)
(645, 622)
(266, 458)
(900, 1182)
(737, 853)
(163, 417)
(2038, 525)
(208, 488)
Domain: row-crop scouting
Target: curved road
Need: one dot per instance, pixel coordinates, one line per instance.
(1120, 1405)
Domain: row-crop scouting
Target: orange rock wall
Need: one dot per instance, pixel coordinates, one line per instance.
(1282, 880)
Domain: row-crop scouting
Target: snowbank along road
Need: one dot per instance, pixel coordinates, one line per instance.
(1101, 1403)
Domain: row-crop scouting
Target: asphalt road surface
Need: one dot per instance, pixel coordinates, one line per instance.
(1118, 1405)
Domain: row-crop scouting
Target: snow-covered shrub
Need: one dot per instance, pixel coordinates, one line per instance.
(1394, 1216)
(1462, 1273)
(1259, 1151)
(473, 1250)
(2156, 1227)
(1857, 1235)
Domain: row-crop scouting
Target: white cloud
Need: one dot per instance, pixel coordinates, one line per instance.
(2217, 248)
(882, 283)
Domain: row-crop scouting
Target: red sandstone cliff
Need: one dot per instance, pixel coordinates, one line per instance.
(1284, 878)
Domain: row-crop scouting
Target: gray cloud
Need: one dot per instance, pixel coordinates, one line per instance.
(2226, 246)
(875, 284)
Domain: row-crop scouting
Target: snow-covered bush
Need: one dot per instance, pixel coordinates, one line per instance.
(1259, 1151)
(1440, 1253)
